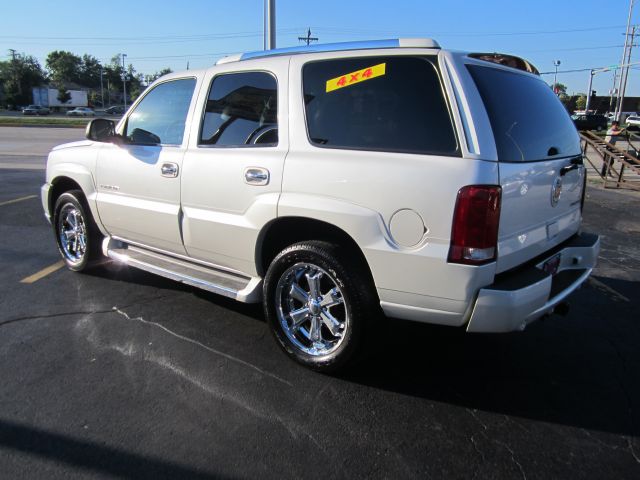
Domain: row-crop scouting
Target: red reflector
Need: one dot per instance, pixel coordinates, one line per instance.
(474, 235)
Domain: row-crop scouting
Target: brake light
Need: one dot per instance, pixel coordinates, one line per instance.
(474, 234)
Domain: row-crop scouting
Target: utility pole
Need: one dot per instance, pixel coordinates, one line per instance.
(556, 63)
(624, 73)
(124, 82)
(101, 87)
(13, 54)
(269, 24)
(308, 39)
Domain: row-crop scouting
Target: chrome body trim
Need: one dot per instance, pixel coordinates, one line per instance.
(183, 257)
(163, 272)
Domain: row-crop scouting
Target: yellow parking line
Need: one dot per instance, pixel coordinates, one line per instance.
(43, 273)
(9, 202)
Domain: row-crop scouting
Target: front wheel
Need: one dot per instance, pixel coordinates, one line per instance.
(318, 304)
(76, 233)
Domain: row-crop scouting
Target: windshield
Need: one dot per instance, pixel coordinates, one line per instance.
(529, 123)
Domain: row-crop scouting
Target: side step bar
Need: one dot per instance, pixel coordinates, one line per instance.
(239, 287)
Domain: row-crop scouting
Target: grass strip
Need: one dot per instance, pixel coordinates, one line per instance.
(43, 122)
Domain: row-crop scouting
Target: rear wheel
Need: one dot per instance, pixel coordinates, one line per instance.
(319, 305)
(76, 233)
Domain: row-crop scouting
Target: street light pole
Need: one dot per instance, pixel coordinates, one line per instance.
(269, 24)
(101, 88)
(556, 63)
(124, 81)
(586, 107)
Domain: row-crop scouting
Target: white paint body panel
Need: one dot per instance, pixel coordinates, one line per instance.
(209, 214)
(223, 215)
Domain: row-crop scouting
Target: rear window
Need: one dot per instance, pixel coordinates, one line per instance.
(393, 104)
(529, 123)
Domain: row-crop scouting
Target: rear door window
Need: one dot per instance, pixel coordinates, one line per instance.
(241, 110)
(394, 104)
(529, 123)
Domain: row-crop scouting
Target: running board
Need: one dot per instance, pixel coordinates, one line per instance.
(239, 287)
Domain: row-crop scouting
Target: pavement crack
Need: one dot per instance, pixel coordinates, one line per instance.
(202, 345)
(513, 457)
(632, 450)
(484, 431)
(475, 447)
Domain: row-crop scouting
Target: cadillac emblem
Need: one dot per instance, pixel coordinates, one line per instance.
(556, 191)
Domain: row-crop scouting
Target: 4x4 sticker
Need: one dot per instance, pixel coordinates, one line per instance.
(356, 77)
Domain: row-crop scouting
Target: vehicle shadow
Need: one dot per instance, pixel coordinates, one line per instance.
(91, 456)
(582, 370)
(122, 273)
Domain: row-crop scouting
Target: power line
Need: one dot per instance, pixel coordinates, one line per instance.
(150, 38)
(469, 34)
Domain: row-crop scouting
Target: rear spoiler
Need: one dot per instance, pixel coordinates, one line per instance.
(507, 61)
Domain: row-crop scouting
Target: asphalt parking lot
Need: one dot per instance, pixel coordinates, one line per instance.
(119, 373)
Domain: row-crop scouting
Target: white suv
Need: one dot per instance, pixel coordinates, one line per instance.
(335, 182)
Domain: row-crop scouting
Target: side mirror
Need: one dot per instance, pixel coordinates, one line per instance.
(101, 130)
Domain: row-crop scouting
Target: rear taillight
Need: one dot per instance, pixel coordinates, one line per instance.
(474, 236)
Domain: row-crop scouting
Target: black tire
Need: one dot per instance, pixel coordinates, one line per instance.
(599, 128)
(353, 294)
(82, 248)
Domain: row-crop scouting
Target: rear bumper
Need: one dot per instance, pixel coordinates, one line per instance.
(518, 298)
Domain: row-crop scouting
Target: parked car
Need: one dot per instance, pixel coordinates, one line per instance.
(432, 185)
(633, 123)
(81, 112)
(35, 110)
(115, 110)
(592, 121)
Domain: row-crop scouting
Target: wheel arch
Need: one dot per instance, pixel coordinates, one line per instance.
(74, 178)
(60, 185)
(284, 231)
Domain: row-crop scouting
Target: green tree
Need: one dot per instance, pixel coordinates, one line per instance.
(113, 74)
(63, 94)
(64, 67)
(89, 73)
(153, 77)
(18, 76)
(581, 102)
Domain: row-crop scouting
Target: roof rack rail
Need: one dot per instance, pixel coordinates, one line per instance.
(330, 47)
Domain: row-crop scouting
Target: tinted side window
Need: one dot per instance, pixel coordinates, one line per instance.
(378, 103)
(529, 123)
(160, 116)
(242, 109)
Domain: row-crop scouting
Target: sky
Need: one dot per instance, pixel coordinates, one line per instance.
(581, 34)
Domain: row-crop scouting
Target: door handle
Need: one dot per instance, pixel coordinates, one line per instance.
(169, 170)
(256, 176)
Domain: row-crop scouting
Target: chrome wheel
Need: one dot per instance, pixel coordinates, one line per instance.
(311, 309)
(72, 233)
